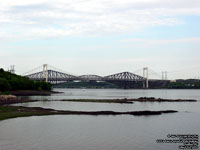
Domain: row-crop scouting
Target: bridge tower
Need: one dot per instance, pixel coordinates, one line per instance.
(145, 75)
(164, 75)
(45, 72)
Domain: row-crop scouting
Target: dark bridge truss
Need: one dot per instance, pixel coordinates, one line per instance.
(55, 76)
(124, 76)
(90, 78)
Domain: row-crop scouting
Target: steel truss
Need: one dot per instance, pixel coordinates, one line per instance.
(90, 78)
(53, 76)
(124, 76)
(56, 76)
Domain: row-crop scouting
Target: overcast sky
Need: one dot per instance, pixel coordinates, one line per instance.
(102, 36)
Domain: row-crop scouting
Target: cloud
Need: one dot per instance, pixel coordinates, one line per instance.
(22, 19)
(139, 42)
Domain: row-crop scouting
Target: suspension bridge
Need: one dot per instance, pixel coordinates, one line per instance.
(53, 75)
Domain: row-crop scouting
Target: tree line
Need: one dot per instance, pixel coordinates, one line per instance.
(185, 84)
(9, 81)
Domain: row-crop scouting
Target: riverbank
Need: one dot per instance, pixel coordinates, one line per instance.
(153, 99)
(12, 99)
(128, 101)
(7, 112)
(33, 93)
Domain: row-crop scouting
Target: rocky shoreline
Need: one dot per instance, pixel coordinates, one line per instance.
(68, 112)
(12, 99)
(153, 99)
(7, 111)
(129, 101)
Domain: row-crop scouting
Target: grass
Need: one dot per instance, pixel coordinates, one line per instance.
(5, 93)
(7, 112)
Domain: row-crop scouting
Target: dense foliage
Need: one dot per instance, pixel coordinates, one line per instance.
(9, 81)
(185, 84)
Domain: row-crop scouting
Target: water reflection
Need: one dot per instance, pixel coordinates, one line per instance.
(126, 132)
(119, 93)
(89, 132)
(137, 106)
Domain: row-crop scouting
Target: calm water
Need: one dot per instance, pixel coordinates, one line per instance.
(117, 93)
(68, 132)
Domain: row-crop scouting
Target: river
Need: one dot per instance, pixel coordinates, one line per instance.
(125, 132)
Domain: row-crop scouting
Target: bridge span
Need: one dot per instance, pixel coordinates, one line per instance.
(124, 78)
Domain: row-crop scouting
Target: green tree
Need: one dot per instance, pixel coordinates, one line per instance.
(4, 85)
(11, 81)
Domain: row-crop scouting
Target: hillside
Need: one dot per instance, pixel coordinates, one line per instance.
(12, 82)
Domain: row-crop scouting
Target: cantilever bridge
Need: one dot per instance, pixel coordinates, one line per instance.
(50, 74)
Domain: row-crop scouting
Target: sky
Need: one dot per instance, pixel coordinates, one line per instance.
(102, 36)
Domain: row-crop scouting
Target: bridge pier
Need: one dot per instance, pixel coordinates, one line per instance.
(145, 76)
(45, 72)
